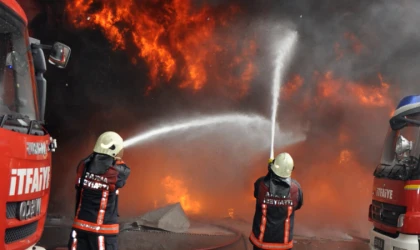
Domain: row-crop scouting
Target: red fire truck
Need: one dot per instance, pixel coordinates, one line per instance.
(395, 208)
(25, 145)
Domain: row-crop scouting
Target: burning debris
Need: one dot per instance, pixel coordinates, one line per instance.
(345, 156)
(231, 213)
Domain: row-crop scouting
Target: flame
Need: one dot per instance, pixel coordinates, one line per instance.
(333, 192)
(174, 39)
(348, 120)
(336, 88)
(356, 44)
(328, 86)
(175, 191)
(351, 43)
(375, 96)
(231, 213)
(292, 86)
(345, 156)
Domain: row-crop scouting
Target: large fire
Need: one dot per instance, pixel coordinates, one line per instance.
(179, 42)
(331, 169)
(347, 120)
(335, 165)
(175, 40)
(335, 89)
(176, 191)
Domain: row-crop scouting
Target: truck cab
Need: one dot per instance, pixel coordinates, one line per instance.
(395, 208)
(25, 145)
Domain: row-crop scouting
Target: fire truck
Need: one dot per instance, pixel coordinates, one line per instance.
(25, 145)
(395, 208)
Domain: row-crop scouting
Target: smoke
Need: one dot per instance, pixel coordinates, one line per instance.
(354, 40)
(384, 30)
(212, 162)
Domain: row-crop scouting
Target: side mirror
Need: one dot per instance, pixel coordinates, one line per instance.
(60, 55)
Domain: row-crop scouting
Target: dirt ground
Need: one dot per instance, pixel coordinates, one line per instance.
(200, 236)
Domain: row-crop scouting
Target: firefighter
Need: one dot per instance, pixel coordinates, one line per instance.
(278, 196)
(102, 173)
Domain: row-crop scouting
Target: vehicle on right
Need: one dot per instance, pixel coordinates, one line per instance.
(395, 208)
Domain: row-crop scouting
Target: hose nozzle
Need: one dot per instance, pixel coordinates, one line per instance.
(270, 162)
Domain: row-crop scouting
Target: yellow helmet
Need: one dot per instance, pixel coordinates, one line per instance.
(109, 143)
(283, 165)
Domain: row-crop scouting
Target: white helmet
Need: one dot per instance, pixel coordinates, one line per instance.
(283, 165)
(109, 143)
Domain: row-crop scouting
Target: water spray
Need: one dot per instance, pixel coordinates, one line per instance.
(285, 51)
(241, 119)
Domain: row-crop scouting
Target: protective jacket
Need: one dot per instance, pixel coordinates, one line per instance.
(277, 201)
(97, 199)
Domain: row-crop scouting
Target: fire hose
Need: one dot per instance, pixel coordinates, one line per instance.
(229, 243)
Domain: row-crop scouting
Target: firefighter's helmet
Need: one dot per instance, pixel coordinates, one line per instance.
(283, 165)
(109, 143)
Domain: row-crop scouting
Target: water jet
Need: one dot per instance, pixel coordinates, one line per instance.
(285, 51)
(203, 122)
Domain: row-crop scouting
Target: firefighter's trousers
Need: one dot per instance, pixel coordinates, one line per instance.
(82, 240)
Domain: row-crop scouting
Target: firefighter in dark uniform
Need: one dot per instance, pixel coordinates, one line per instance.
(278, 197)
(103, 173)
